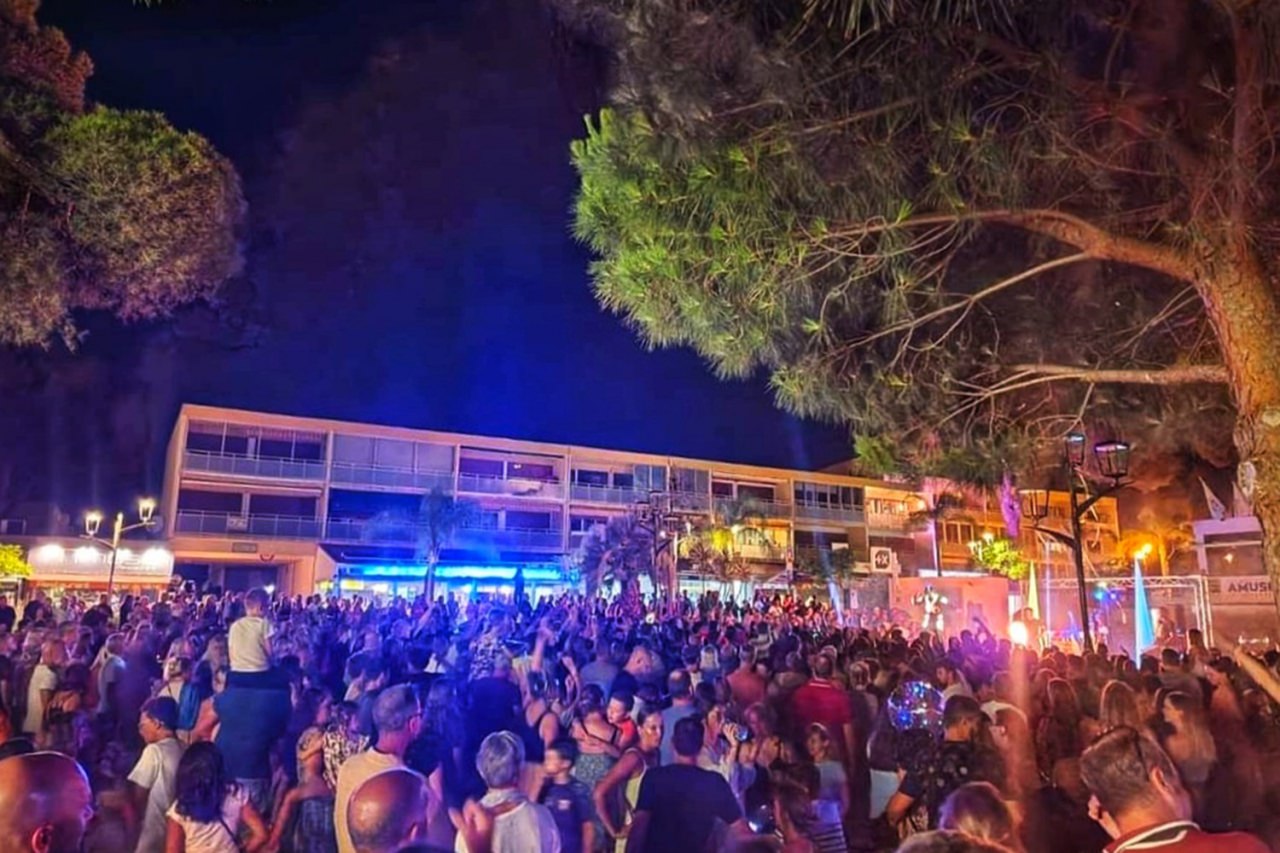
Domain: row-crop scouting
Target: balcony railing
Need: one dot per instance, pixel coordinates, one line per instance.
(200, 523)
(606, 494)
(206, 461)
(537, 539)
(386, 477)
(364, 530)
(690, 501)
(760, 551)
(844, 515)
(888, 520)
(768, 509)
(479, 484)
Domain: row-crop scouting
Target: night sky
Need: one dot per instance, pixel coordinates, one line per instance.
(409, 258)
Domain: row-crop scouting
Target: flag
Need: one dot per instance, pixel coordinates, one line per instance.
(1239, 503)
(1217, 509)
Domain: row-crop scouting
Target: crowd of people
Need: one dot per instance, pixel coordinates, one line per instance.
(230, 722)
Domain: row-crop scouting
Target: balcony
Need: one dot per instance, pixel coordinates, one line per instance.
(386, 477)
(267, 467)
(761, 551)
(513, 538)
(478, 484)
(774, 509)
(606, 495)
(839, 515)
(896, 521)
(197, 523)
(690, 502)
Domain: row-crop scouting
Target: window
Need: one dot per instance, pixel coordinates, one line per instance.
(523, 520)
(691, 481)
(647, 477)
(198, 501)
(531, 471)
(292, 505)
(760, 493)
(590, 478)
(824, 496)
(584, 523)
(624, 480)
(721, 489)
(480, 467)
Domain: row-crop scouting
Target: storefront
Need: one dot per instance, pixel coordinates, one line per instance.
(71, 565)
(462, 581)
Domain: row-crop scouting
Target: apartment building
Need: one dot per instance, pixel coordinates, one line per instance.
(1100, 529)
(265, 499)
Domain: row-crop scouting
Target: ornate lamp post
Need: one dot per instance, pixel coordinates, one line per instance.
(93, 523)
(656, 516)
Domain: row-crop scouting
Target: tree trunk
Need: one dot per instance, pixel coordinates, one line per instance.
(1245, 312)
(429, 582)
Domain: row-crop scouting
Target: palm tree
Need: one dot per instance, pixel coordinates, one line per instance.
(620, 551)
(431, 529)
(939, 505)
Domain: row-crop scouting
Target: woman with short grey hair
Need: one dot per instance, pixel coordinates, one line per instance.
(519, 826)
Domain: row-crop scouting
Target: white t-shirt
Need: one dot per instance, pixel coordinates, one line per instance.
(247, 644)
(155, 771)
(42, 678)
(215, 836)
(528, 828)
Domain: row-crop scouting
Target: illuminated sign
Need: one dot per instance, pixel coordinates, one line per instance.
(82, 562)
(1246, 589)
(532, 574)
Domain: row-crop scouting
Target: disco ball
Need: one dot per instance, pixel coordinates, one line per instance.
(916, 705)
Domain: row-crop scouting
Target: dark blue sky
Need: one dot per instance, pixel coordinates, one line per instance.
(406, 163)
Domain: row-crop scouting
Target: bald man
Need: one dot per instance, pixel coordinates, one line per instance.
(45, 804)
(388, 811)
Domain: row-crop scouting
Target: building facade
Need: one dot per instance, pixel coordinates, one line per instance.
(256, 499)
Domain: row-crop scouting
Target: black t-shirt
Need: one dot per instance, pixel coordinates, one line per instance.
(684, 802)
(571, 807)
(7, 617)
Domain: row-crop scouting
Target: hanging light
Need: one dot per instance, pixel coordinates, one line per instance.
(1035, 503)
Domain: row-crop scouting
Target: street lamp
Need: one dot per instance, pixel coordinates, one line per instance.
(93, 523)
(1113, 462)
(654, 515)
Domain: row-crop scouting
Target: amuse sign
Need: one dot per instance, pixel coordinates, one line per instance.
(1250, 589)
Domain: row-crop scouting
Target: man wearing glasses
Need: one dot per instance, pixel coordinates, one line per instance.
(398, 718)
(1142, 804)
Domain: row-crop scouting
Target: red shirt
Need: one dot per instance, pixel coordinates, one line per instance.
(820, 701)
(1183, 836)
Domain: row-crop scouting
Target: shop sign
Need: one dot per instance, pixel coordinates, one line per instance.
(1254, 589)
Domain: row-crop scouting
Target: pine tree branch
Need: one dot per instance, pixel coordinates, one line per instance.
(1190, 374)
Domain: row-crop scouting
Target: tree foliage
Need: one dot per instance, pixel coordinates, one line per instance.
(100, 209)
(619, 551)
(1001, 556)
(430, 528)
(13, 562)
(957, 227)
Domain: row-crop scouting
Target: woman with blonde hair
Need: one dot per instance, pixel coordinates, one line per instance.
(978, 810)
(1118, 706)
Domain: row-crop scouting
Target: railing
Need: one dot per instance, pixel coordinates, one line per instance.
(482, 485)
(768, 509)
(760, 551)
(200, 523)
(391, 532)
(252, 466)
(606, 494)
(850, 515)
(888, 520)
(539, 539)
(690, 501)
(384, 476)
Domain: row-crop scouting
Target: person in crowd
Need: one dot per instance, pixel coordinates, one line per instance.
(210, 812)
(681, 690)
(306, 810)
(598, 741)
(249, 638)
(152, 780)
(398, 718)
(1058, 735)
(978, 809)
(40, 690)
(601, 671)
(831, 803)
(683, 801)
(519, 825)
(568, 799)
(952, 763)
(387, 813)
(723, 751)
(46, 804)
(745, 684)
(626, 776)
(250, 716)
(1139, 799)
